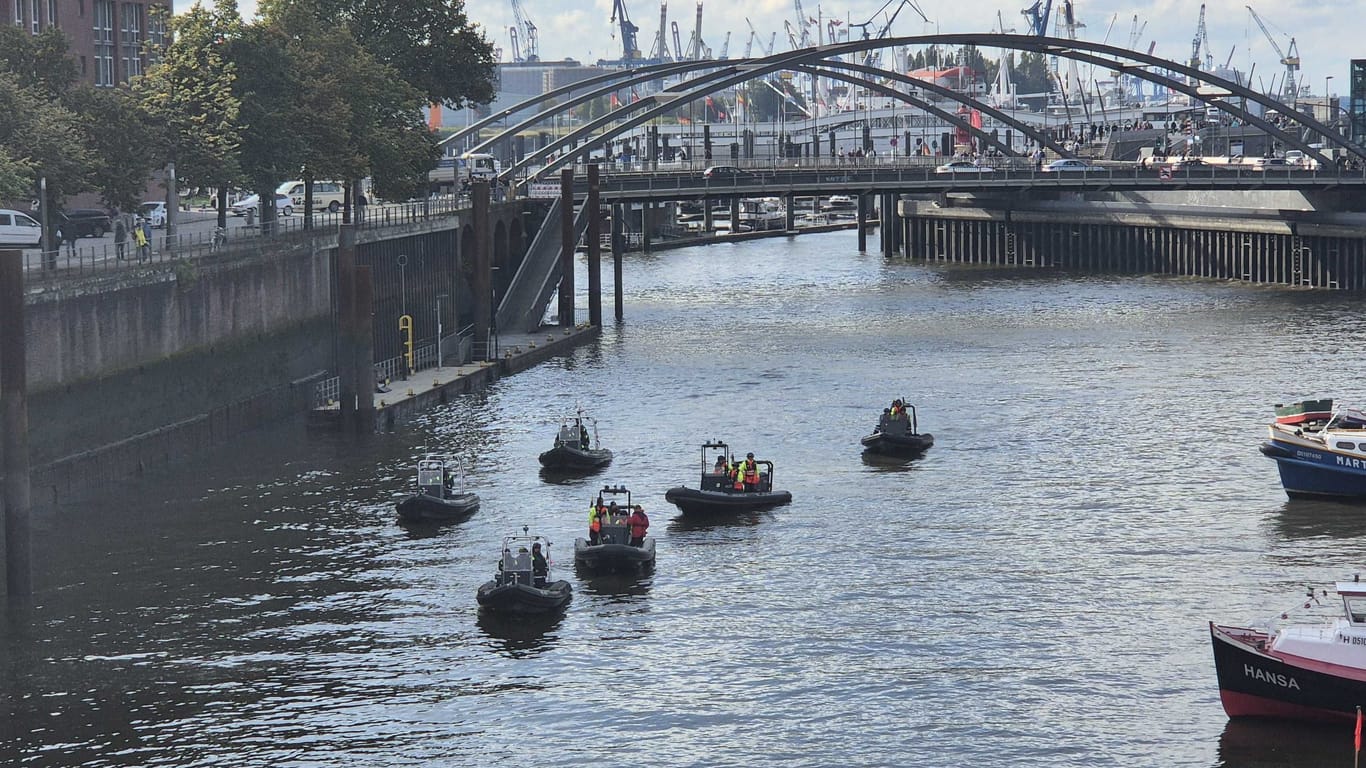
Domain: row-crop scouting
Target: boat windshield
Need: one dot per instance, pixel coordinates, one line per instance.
(1356, 608)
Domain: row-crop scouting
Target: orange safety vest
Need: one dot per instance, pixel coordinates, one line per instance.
(595, 514)
(751, 472)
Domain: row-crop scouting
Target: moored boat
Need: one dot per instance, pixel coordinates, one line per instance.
(717, 491)
(612, 548)
(1304, 411)
(895, 433)
(573, 450)
(1308, 671)
(441, 496)
(522, 584)
(1327, 461)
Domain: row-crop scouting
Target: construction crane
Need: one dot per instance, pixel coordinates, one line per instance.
(660, 50)
(804, 40)
(725, 48)
(697, 50)
(678, 42)
(1289, 57)
(533, 45)
(1038, 14)
(749, 44)
(1201, 40)
(1136, 33)
(629, 50)
(516, 49)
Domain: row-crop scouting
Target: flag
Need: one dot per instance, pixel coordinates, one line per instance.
(1358, 736)
(615, 101)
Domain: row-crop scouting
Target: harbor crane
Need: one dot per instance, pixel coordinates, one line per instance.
(533, 45)
(629, 50)
(1201, 41)
(804, 40)
(697, 50)
(660, 50)
(1290, 57)
(754, 33)
(1038, 14)
(873, 58)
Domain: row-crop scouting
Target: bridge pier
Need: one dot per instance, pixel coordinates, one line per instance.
(707, 227)
(647, 217)
(862, 221)
(594, 237)
(618, 247)
(567, 244)
(735, 214)
(790, 206)
(481, 282)
(15, 497)
(887, 225)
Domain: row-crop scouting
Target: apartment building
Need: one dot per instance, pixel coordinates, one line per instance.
(112, 41)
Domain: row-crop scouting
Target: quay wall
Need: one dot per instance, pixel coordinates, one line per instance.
(1293, 252)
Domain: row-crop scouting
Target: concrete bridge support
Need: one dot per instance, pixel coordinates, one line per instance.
(568, 242)
(15, 498)
(594, 238)
(790, 206)
(862, 221)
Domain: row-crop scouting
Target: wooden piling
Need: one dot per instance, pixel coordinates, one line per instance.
(16, 499)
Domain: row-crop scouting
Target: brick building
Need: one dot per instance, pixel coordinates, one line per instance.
(112, 41)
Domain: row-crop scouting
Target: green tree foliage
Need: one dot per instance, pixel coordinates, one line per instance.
(190, 101)
(115, 129)
(41, 61)
(40, 136)
(267, 87)
(431, 43)
(1031, 73)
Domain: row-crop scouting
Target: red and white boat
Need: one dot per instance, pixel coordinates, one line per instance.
(1304, 412)
(1296, 671)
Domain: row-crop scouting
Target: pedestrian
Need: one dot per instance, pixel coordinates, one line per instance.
(147, 233)
(120, 236)
(67, 234)
(640, 524)
(141, 243)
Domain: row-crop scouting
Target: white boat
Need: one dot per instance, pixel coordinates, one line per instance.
(1305, 671)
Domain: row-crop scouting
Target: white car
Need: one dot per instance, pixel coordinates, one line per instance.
(19, 230)
(283, 205)
(154, 213)
(963, 166)
(1068, 165)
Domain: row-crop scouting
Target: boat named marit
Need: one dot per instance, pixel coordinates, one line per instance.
(1319, 459)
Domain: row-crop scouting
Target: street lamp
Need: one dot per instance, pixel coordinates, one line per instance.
(1326, 93)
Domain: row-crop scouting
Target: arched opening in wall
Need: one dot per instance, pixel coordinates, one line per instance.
(516, 246)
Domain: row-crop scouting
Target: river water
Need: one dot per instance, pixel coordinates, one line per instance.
(1034, 591)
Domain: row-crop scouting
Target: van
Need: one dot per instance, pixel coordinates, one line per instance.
(328, 196)
(19, 230)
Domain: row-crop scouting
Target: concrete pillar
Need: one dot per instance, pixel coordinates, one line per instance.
(790, 206)
(346, 324)
(616, 268)
(887, 225)
(15, 499)
(647, 218)
(567, 244)
(594, 237)
(862, 221)
(707, 227)
(735, 215)
(364, 318)
(481, 283)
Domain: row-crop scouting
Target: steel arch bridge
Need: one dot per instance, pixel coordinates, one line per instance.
(702, 78)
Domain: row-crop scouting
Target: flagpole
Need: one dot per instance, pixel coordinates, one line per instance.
(1356, 757)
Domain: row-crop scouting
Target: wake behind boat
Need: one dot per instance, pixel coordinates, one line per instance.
(616, 534)
(895, 434)
(522, 584)
(729, 486)
(1298, 671)
(1321, 459)
(573, 450)
(441, 496)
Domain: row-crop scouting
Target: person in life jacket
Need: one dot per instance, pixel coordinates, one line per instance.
(749, 472)
(898, 408)
(596, 512)
(720, 468)
(639, 525)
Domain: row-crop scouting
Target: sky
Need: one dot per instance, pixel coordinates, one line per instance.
(1324, 31)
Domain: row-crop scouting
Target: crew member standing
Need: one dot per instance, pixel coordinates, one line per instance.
(749, 470)
(595, 514)
(640, 524)
(540, 568)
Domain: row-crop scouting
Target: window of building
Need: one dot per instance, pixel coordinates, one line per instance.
(104, 42)
(52, 13)
(156, 33)
(130, 41)
(37, 8)
(18, 13)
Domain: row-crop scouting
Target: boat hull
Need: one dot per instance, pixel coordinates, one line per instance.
(524, 599)
(425, 508)
(897, 445)
(614, 557)
(565, 458)
(1309, 469)
(1304, 411)
(1257, 683)
(695, 501)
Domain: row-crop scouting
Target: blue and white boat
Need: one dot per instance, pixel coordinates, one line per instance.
(1327, 461)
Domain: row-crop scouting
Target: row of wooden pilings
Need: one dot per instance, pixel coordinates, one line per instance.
(1269, 252)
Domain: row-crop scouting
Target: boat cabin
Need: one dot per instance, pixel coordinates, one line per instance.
(901, 423)
(574, 432)
(515, 566)
(1353, 602)
(718, 469)
(615, 529)
(437, 476)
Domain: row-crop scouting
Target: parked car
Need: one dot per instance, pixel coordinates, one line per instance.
(725, 173)
(328, 196)
(1068, 165)
(963, 166)
(1188, 164)
(154, 212)
(19, 230)
(283, 205)
(84, 222)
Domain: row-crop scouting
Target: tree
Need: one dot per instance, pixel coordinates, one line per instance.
(189, 98)
(1032, 74)
(267, 87)
(41, 61)
(121, 143)
(430, 43)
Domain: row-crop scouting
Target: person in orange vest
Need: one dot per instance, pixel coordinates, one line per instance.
(596, 512)
(639, 525)
(737, 477)
(749, 472)
(898, 408)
